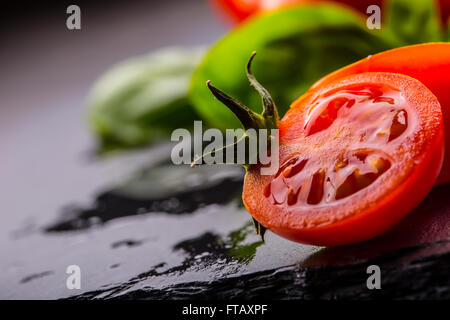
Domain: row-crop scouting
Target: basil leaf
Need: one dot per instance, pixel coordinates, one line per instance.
(296, 47)
(143, 99)
(414, 21)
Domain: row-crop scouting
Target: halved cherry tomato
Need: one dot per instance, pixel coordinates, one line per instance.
(428, 63)
(356, 156)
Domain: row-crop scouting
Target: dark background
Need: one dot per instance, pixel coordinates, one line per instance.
(47, 71)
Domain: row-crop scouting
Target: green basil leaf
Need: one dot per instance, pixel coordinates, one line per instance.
(295, 46)
(143, 99)
(414, 21)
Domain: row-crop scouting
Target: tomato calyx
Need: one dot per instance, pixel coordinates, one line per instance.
(249, 119)
(268, 119)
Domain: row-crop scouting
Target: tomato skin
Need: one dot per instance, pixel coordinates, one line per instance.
(368, 212)
(428, 63)
(376, 221)
(359, 5)
(237, 10)
(240, 10)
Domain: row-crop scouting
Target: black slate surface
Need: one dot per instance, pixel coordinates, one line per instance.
(405, 277)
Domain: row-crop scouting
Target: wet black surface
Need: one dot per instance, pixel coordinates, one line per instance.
(212, 251)
(35, 276)
(126, 243)
(206, 250)
(418, 278)
(138, 196)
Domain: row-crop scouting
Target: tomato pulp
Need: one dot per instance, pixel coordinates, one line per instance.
(356, 155)
(428, 63)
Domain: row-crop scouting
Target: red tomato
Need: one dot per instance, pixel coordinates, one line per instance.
(445, 10)
(428, 63)
(356, 156)
(239, 10)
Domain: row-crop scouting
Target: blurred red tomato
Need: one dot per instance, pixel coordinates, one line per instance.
(445, 10)
(239, 10)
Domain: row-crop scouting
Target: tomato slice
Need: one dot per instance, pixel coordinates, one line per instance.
(429, 63)
(355, 157)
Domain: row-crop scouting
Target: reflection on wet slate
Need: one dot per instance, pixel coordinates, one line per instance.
(414, 263)
(211, 247)
(224, 254)
(161, 188)
(418, 278)
(126, 243)
(36, 276)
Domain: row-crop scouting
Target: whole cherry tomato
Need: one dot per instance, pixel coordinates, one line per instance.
(356, 155)
(444, 6)
(428, 63)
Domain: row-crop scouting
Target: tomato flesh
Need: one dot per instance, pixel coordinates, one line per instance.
(355, 158)
(372, 118)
